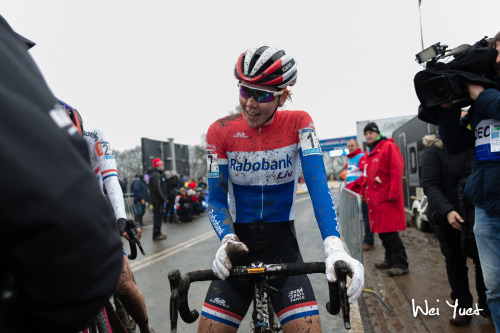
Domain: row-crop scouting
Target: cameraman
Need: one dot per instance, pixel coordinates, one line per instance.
(482, 129)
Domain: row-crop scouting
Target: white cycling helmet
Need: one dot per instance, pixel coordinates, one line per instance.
(267, 66)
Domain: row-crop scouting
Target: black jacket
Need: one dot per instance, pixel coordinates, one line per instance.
(157, 187)
(60, 256)
(441, 173)
(172, 187)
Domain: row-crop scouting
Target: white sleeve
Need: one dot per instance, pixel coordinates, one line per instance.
(107, 166)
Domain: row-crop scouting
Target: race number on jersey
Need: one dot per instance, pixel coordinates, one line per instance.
(309, 142)
(212, 165)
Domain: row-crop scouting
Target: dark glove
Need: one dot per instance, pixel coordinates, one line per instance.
(121, 223)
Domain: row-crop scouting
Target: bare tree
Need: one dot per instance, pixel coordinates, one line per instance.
(334, 165)
(197, 158)
(129, 162)
(197, 153)
(237, 109)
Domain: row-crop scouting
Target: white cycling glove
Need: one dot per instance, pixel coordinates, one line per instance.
(230, 249)
(334, 251)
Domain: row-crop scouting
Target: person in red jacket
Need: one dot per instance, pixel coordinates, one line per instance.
(384, 196)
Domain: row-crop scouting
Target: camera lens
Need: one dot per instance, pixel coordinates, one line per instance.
(439, 90)
(436, 91)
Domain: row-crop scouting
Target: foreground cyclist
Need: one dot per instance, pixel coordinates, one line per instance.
(103, 164)
(254, 157)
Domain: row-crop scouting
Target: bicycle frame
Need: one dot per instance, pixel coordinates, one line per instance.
(263, 316)
(179, 286)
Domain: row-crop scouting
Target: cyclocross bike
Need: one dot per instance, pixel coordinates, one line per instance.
(263, 318)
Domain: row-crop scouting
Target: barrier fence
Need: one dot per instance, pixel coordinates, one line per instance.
(352, 228)
(130, 208)
(351, 222)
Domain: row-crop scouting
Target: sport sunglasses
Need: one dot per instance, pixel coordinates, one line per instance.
(260, 95)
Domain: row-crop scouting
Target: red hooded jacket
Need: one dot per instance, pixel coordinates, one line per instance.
(384, 187)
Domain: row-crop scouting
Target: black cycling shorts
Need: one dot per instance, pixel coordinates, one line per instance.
(271, 243)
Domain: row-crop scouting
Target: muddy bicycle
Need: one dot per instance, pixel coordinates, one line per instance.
(263, 317)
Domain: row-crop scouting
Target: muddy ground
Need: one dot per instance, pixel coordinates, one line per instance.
(426, 281)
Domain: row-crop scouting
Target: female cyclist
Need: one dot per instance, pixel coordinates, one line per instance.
(253, 157)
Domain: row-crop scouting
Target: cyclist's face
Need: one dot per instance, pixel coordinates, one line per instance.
(256, 114)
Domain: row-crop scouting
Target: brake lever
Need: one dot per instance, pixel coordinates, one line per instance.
(338, 293)
(341, 272)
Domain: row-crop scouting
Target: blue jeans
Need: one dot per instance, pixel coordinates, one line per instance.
(366, 221)
(139, 208)
(487, 233)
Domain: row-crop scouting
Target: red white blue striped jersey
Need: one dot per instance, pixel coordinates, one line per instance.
(103, 163)
(259, 167)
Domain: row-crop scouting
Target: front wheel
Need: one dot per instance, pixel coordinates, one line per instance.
(420, 223)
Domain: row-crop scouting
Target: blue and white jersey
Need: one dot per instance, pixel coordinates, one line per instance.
(353, 169)
(487, 133)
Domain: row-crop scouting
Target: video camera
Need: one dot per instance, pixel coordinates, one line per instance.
(442, 82)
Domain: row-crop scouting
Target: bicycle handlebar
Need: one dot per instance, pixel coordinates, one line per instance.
(179, 286)
(130, 229)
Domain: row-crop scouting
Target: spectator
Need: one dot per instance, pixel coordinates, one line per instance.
(180, 184)
(183, 206)
(158, 196)
(197, 206)
(354, 182)
(480, 129)
(140, 190)
(452, 219)
(201, 184)
(192, 184)
(202, 200)
(123, 184)
(384, 195)
(171, 194)
(61, 260)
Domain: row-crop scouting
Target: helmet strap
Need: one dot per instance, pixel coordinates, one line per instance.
(272, 115)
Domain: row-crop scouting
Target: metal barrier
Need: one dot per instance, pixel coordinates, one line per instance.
(350, 219)
(130, 208)
(351, 224)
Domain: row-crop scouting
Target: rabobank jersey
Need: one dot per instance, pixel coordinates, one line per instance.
(103, 163)
(258, 169)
